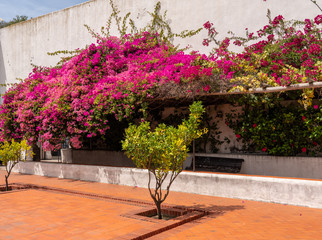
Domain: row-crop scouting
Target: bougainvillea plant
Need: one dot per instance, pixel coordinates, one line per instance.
(279, 54)
(112, 77)
(115, 76)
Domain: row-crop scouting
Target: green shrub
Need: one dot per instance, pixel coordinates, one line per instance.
(11, 154)
(163, 150)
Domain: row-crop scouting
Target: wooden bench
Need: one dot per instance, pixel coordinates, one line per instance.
(217, 164)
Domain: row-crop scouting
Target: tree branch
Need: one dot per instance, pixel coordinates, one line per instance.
(174, 175)
(314, 2)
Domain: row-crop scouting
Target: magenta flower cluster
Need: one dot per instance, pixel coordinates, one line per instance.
(287, 53)
(112, 77)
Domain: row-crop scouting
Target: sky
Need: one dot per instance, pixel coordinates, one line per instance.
(33, 8)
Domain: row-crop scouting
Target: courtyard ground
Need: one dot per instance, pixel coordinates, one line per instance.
(70, 209)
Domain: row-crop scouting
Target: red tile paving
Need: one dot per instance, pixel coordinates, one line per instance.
(38, 214)
(35, 214)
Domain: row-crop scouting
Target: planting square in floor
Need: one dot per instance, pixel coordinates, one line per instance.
(150, 214)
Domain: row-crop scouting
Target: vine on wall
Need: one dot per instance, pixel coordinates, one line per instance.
(109, 81)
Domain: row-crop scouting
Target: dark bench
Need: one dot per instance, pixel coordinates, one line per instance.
(217, 164)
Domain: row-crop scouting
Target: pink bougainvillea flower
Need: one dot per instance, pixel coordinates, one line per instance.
(237, 42)
(254, 125)
(318, 19)
(303, 118)
(264, 149)
(205, 42)
(308, 25)
(314, 49)
(316, 106)
(238, 136)
(270, 37)
(277, 20)
(304, 149)
(206, 88)
(207, 25)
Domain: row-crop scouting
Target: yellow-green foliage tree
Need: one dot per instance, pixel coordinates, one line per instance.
(163, 150)
(11, 153)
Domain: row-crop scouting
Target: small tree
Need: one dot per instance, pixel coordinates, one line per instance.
(15, 20)
(11, 154)
(163, 150)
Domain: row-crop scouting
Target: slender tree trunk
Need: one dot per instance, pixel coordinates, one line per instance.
(158, 204)
(7, 185)
(193, 156)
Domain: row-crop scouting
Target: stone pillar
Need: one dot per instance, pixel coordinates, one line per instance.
(67, 155)
(48, 155)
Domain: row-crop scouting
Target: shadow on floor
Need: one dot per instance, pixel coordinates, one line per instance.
(216, 210)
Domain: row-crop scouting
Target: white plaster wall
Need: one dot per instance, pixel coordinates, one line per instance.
(28, 42)
(2, 74)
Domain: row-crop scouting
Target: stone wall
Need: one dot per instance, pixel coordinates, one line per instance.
(279, 190)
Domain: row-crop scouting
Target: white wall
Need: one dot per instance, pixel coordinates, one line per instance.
(28, 42)
(2, 74)
(278, 190)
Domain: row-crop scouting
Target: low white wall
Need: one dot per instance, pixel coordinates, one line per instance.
(278, 190)
(298, 167)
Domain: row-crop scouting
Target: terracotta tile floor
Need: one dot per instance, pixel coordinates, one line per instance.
(36, 214)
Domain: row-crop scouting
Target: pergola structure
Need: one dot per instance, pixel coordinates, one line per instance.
(212, 98)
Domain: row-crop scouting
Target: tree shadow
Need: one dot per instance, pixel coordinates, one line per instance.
(213, 211)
